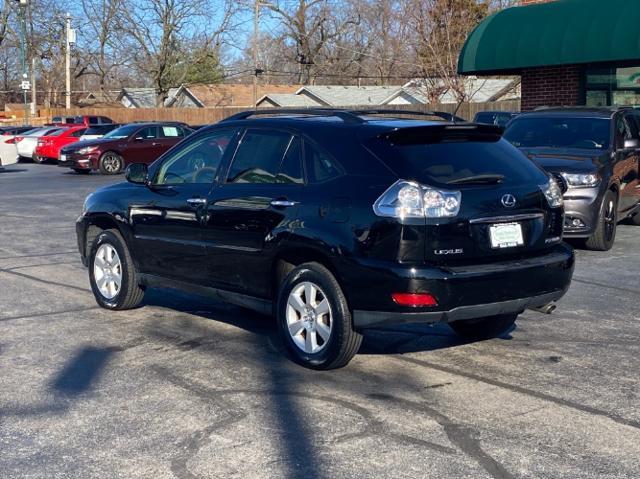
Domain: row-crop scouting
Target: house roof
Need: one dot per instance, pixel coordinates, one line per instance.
(144, 97)
(288, 100)
(233, 95)
(566, 32)
(349, 95)
(479, 89)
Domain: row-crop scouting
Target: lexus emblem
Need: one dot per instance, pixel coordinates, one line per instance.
(508, 201)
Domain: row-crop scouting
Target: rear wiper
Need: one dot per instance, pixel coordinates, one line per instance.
(477, 179)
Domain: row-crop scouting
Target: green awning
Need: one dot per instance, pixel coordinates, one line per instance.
(563, 32)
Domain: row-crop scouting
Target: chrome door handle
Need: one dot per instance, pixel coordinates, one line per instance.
(283, 203)
(196, 201)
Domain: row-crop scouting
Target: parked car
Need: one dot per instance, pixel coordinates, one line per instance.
(49, 146)
(135, 142)
(27, 142)
(86, 120)
(98, 131)
(596, 151)
(8, 150)
(335, 222)
(499, 118)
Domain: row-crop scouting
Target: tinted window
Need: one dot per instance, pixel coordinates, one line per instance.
(259, 156)
(291, 166)
(591, 133)
(487, 118)
(78, 133)
(56, 132)
(196, 162)
(148, 133)
(122, 132)
(99, 130)
(320, 165)
(447, 162)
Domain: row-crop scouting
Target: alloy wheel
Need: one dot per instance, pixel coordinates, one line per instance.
(107, 271)
(309, 318)
(111, 163)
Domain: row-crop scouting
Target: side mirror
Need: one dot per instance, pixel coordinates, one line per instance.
(631, 144)
(137, 173)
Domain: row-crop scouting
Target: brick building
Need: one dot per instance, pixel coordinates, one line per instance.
(567, 52)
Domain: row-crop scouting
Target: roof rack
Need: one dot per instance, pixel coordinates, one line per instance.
(440, 114)
(345, 115)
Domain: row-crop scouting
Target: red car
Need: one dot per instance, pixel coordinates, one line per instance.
(48, 147)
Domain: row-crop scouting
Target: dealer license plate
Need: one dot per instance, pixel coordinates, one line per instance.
(506, 235)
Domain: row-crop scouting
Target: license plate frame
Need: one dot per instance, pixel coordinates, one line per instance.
(506, 235)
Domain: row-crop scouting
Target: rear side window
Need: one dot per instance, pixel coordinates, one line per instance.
(321, 166)
(448, 163)
(148, 133)
(266, 157)
(170, 131)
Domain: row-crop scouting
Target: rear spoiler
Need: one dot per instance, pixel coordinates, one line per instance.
(418, 135)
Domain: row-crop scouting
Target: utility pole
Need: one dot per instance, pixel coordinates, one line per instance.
(68, 62)
(256, 36)
(34, 95)
(24, 85)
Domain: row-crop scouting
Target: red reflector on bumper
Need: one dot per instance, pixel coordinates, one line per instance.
(414, 300)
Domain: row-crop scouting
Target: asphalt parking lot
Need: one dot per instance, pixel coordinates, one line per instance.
(187, 387)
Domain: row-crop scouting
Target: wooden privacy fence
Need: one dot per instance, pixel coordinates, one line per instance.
(201, 116)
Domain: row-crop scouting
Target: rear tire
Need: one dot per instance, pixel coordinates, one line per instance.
(39, 159)
(605, 234)
(314, 320)
(110, 163)
(112, 274)
(484, 328)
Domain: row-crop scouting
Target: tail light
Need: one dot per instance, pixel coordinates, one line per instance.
(17, 139)
(414, 300)
(13, 140)
(408, 199)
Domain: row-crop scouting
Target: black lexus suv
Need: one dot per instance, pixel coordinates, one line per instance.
(335, 221)
(596, 151)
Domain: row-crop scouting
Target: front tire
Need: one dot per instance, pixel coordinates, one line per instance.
(39, 159)
(110, 163)
(484, 328)
(314, 320)
(605, 234)
(112, 273)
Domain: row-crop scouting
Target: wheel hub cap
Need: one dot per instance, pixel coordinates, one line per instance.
(107, 271)
(309, 318)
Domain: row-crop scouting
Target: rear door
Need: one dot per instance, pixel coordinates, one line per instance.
(252, 209)
(170, 135)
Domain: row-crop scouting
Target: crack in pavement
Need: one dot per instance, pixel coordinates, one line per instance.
(193, 444)
(603, 285)
(460, 435)
(49, 313)
(40, 280)
(522, 390)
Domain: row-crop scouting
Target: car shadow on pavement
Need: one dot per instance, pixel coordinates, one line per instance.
(12, 170)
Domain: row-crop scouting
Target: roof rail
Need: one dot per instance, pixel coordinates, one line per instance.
(440, 114)
(346, 116)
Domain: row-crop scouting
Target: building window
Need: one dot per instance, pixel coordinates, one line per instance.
(613, 86)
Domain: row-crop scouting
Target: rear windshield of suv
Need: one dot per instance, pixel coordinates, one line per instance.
(559, 132)
(449, 164)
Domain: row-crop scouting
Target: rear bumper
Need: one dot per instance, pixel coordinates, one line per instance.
(462, 292)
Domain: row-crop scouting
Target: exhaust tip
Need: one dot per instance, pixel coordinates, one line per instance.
(545, 309)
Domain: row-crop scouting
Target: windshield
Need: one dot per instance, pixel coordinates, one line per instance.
(122, 132)
(553, 132)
